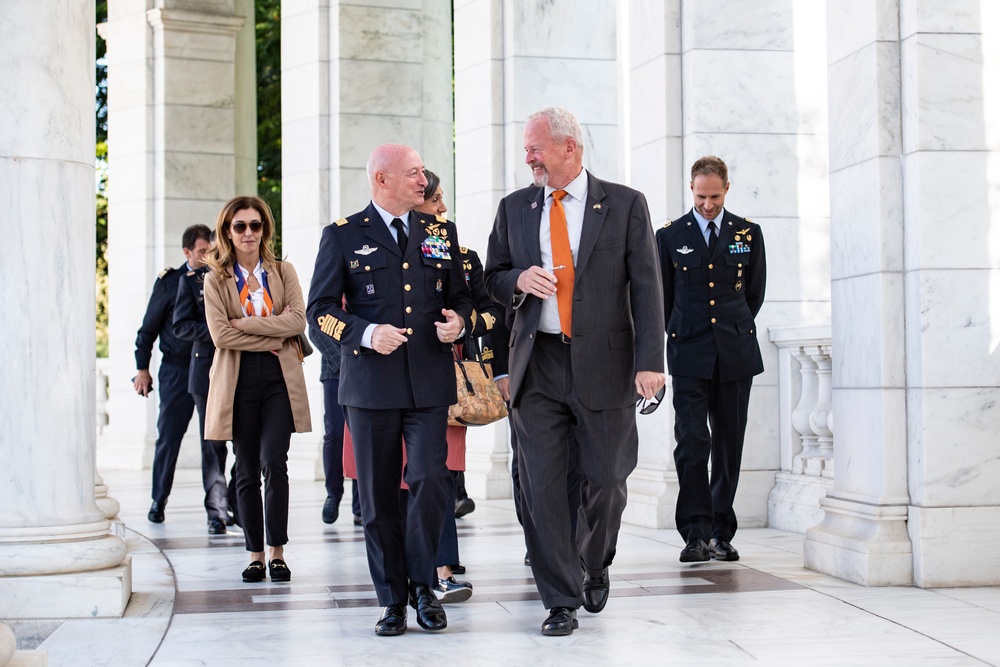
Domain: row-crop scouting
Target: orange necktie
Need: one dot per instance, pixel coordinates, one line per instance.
(562, 256)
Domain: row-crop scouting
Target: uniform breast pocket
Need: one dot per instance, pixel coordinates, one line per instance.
(369, 277)
(435, 276)
(736, 264)
(687, 267)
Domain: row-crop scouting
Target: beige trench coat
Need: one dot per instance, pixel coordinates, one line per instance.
(277, 332)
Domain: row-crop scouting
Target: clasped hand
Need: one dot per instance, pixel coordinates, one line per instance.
(386, 338)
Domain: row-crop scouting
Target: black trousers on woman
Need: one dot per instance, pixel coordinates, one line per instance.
(262, 430)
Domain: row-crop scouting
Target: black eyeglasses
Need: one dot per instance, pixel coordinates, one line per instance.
(241, 227)
(648, 405)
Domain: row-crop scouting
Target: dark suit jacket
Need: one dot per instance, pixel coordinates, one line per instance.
(358, 257)
(617, 300)
(711, 302)
(487, 316)
(189, 324)
(158, 322)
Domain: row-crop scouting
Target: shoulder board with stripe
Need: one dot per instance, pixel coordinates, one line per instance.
(440, 218)
(341, 222)
(164, 272)
(668, 224)
(464, 250)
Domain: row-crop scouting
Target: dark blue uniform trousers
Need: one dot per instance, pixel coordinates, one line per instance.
(213, 467)
(176, 409)
(401, 550)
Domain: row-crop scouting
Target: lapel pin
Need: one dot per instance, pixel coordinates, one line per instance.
(534, 205)
(597, 207)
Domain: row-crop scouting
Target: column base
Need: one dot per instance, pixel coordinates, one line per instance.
(305, 457)
(486, 454)
(953, 546)
(793, 504)
(652, 498)
(93, 594)
(862, 543)
(29, 659)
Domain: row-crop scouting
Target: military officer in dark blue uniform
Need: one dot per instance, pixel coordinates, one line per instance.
(406, 303)
(176, 404)
(713, 269)
(189, 324)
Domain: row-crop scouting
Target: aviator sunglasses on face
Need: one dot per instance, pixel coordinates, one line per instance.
(241, 227)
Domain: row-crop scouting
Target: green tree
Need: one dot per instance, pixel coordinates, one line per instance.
(268, 29)
(101, 159)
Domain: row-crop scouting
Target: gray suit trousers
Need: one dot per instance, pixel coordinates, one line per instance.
(550, 422)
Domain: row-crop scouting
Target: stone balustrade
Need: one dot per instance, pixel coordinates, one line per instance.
(805, 424)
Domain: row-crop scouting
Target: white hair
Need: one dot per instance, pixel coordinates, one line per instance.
(562, 124)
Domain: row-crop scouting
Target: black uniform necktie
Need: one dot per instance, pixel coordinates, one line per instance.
(400, 234)
(713, 238)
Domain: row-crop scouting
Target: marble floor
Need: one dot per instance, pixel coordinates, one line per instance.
(189, 606)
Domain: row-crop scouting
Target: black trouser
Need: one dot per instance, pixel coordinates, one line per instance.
(402, 549)
(557, 434)
(262, 431)
(705, 505)
(176, 408)
(213, 467)
(333, 440)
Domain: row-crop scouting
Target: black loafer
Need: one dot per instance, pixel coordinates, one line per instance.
(430, 613)
(722, 550)
(561, 622)
(331, 509)
(216, 526)
(696, 551)
(254, 572)
(464, 506)
(392, 621)
(156, 513)
(595, 591)
(279, 571)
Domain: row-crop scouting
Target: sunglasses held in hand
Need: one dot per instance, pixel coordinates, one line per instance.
(648, 406)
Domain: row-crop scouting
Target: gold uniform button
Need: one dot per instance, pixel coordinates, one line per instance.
(713, 320)
(406, 265)
(356, 353)
(409, 310)
(439, 265)
(711, 266)
(685, 268)
(712, 302)
(409, 330)
(406, 287)
(740, 265)
(673, 335)
(711, 284)
(368, 268)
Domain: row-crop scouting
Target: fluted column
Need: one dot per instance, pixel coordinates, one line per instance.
(57, 555)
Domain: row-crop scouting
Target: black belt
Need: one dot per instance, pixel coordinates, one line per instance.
(558, 337)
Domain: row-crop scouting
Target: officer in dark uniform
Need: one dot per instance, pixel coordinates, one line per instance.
(189, 324)
(406, 303)
(176, 404)
(713, 269)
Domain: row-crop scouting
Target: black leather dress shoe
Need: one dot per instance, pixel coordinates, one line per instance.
(331, 509)
(357, 519)
(392, 621)
(722, 550)
(595, 591)
(155, 513)
(279, 570)
(696, 551)
(430, 613)
(254, 572)
(464, 506)
(216, 526)
(561, 622)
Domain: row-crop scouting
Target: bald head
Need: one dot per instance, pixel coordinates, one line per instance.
(396, 177)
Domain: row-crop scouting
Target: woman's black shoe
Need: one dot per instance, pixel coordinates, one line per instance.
(254, 572)
(279, 571)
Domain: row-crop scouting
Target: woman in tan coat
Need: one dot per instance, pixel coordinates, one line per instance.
(257, 391)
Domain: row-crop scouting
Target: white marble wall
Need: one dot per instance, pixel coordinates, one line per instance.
(950, 103)
(51, 530)
(171, 144)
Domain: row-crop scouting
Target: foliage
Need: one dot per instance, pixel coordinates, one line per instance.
(268, 15)
(101, 157)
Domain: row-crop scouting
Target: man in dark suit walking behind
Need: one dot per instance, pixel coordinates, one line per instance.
(407, 302)
(713, 271)
(574, 257)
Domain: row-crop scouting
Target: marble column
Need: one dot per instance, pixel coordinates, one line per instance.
(172, 156)
(58, 557)
(950, 84)
(650, 48)
(354, 75)
(863, 535)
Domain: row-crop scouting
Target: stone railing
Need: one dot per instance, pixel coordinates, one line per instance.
(805, 391)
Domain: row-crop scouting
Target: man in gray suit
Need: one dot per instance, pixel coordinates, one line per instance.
(574, 257)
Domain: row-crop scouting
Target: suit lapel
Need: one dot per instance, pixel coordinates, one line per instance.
(532, 223)
(593, 221)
